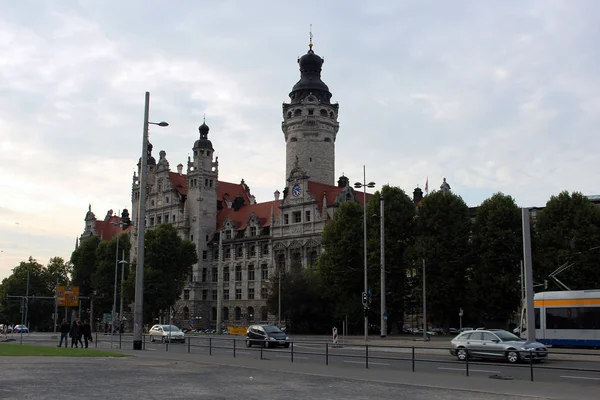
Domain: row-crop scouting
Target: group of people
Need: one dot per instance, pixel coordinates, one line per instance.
(76, 331)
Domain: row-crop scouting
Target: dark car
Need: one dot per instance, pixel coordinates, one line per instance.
(267, 336)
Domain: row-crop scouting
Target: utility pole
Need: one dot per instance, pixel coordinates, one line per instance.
(528, 276)
(26, 302)
(219, 328)
(55, 305)
(424, 304)
(121, 291)
(383, 323)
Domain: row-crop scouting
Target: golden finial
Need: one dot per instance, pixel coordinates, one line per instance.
(310, 43)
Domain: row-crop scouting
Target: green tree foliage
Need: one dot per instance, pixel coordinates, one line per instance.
(85, 265)
(340, 267)
(498, 249)
(39, 311)
(59, 271)
(103, 279)
(303, 309)
(567, 231)
(168, 261)
(399, 225)
(443, 228)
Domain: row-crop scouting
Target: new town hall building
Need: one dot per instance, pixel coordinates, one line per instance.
(259, 238)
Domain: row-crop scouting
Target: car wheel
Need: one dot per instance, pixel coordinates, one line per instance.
(248, 343)
(512, 356)
(461, 354)
(286, 345)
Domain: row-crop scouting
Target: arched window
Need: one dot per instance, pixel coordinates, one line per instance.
(297, 113)
(225, 314)
(250, 312)
(323, 113)
(331, 114)
(327, 140)
(238, 313)
(186, 313)
(281, 261)
(213, 314)
(264, 315)
(293, 139)
(289, 114)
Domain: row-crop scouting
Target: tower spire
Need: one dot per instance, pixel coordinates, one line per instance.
(310, 43)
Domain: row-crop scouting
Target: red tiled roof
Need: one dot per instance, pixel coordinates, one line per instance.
(106, 230)
(330, 192)
(179, 182)
(262, 211)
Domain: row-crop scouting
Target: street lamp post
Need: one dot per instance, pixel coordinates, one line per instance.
(383, 322)
(424, 305)
(141, 228)
(219, 328)
(364, 185)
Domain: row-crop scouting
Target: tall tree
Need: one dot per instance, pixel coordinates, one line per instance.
(303, 308)
(497, 249)
(443, 229)
(85, 265)
(340, 267)
(28, 277)
(103, 279)
(567, 232)
(399, 226)
(167, 263)
(59, 271)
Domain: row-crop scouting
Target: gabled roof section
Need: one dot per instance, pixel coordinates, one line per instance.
(179, 182)
(229, 191)
(330, 192)
(106, 230)
(240, 218)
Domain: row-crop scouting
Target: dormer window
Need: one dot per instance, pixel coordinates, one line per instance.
(228, 234)
(252, 231)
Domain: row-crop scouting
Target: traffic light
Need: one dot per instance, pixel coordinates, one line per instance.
(125, 220)
(364, 299)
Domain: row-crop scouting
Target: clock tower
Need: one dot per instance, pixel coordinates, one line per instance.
(310, 123)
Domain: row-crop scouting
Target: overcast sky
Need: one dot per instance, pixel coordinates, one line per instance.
(493, 95)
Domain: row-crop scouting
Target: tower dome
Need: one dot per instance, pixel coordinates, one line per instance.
(203, 142)
(310, 79)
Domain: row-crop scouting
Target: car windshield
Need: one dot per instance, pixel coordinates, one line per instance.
(507, 336)
(271, 329)
(170, 328)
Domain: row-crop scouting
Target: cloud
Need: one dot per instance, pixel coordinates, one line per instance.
(493, 97)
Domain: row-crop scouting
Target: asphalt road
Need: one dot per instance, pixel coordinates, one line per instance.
(560, 367)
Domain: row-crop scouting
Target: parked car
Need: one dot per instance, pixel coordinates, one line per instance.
(495, 343)
(166, 333)
(20, 329)
(266, 336)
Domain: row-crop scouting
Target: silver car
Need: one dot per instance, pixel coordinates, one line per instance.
(166, 333)
(495, 343)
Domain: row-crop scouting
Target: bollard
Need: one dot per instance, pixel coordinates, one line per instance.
(261, 348)
(233, 347)
(367, 356)
(189, 340)
(326, 353)
(166, 345)
(143, 342)
(413, 358)
(531, 363)
(292, 352)
(21, 337)
(96, 341)
(210, 346)
(120, 339)
(467, 361)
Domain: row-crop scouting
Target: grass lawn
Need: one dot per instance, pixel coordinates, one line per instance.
(28, 350)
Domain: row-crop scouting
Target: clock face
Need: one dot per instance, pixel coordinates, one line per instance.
(296, 191)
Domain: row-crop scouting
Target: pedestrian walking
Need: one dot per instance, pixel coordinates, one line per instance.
(64, 333)
(86, 331)
(74, 334)
(79, 333)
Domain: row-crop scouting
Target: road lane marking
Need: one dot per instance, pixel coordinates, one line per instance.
(580, 377)
(362, 362)
(471, 370)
